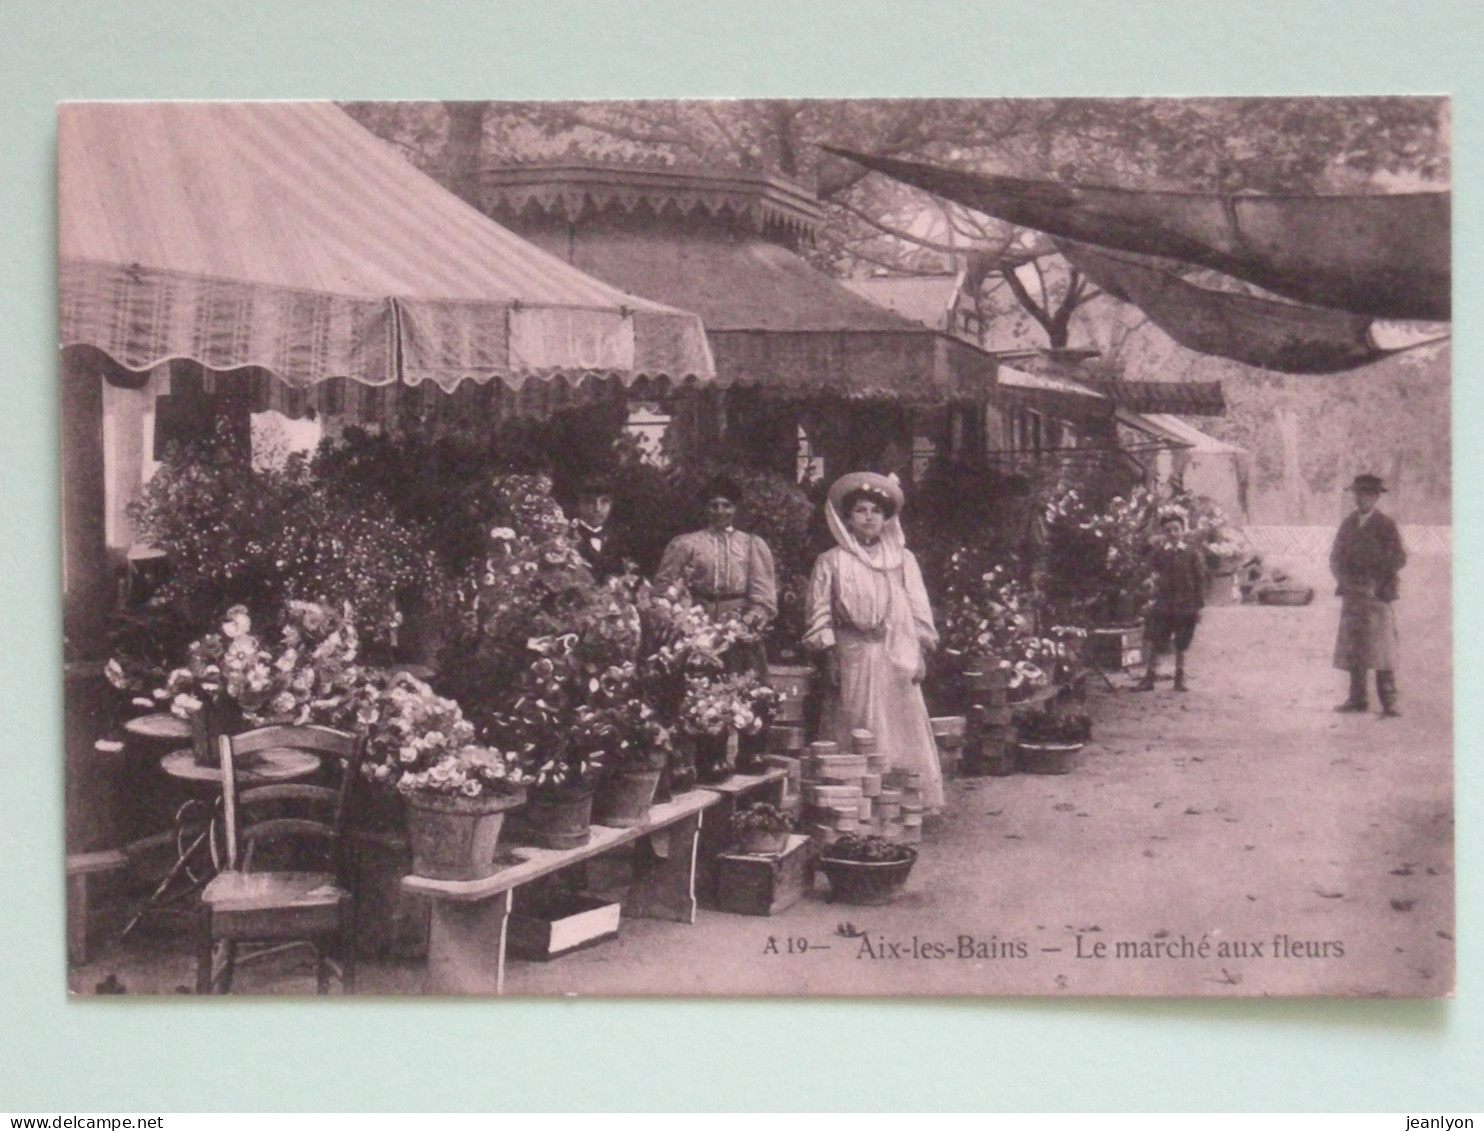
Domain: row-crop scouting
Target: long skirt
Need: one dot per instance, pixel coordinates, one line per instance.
(1367, 636)
(878, 696)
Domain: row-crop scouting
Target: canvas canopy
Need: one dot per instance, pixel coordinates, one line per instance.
(283, 236)
(1383, 256)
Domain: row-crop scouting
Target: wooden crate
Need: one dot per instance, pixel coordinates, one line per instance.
(561, 926)
(765, 885)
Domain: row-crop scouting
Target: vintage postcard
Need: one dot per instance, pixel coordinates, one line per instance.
(862, 547)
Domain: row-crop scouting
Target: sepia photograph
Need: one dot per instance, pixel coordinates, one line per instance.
(820, 547)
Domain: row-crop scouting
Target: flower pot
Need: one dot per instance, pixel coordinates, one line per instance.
(558, 818)
(795, 681)
(623, 800)
(763, 842)
(453, 837)
(713, 758)
(752, 749)
(867, 882)
(1047, 757)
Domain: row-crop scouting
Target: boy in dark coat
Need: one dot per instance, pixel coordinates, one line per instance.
(593, 529)
(1179, 596)
(1366, 558)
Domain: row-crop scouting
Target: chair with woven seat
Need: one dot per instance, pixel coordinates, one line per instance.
(281, 905)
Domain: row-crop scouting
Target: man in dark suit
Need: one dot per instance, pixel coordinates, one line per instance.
(1366, 558)
(593, 529)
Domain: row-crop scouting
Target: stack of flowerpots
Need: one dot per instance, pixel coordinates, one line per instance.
(987, 727)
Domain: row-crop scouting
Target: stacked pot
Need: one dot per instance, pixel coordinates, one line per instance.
(858, 792)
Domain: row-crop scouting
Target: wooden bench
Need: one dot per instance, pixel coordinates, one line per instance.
(466, 942)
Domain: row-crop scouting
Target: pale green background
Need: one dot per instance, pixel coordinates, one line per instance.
(172, 1055)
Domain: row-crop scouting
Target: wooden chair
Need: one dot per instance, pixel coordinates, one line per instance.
(313, 907)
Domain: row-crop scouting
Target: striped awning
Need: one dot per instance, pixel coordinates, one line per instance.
(284, 237)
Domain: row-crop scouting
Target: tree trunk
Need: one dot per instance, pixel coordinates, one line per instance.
(461, 153)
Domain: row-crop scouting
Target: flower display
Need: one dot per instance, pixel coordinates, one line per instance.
(420, 742)
(307, 676)
(716, 705)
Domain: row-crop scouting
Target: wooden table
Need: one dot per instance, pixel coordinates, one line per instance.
(160, 727)
(277, 765)
(466, 945)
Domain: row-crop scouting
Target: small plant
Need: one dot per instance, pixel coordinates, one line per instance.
(868, 850)
(1040, 728)
(761, 817)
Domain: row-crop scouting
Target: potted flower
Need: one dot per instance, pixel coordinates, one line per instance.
(457, 790)
(866, 869)
(1046, 743)
(635, 747)
(761, 829)
(717, 707)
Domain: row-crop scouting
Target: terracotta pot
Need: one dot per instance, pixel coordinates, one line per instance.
(763, 842)
(624, 798)
(1047, 757)
(454, 837)
(558, 818)
(866, 882)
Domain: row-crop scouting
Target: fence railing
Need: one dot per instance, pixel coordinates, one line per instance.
(1315, 541)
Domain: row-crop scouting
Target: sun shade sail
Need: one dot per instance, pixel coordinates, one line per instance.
(284, 236)
(1271, 335)
(1381, 256)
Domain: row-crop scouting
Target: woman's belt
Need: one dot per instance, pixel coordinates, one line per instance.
(702, 595)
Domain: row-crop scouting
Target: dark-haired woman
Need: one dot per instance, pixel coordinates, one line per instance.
(729, 573)
(869, 617)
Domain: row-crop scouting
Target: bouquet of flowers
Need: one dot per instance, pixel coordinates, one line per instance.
(717, 705)
(419, 742)
(308, 678)
(1039, 727)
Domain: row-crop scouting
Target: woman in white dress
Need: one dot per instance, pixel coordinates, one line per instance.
(868, 616)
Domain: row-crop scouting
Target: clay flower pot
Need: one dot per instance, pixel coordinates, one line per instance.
(763, 842)
(453, 837)
(558, 818)
(623, 800)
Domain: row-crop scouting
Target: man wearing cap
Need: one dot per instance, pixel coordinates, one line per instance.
(1366, 558)
(728, 572)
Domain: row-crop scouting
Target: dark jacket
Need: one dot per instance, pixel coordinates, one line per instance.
(1366, 557)
(1179, 578)
(602, 550)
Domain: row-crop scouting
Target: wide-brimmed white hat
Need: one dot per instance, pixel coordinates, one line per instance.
(884, 487)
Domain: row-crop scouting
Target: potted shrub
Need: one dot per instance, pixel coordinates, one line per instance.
(866, 869)
(761, 829)
(638, 750)
(457, 790)
(1046, 743)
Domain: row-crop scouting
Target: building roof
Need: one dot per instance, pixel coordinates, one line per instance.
(283, 235)
(1174, 429)
(757, 201)
(928, 299)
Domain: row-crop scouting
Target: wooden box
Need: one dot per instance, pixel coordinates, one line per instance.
(1116, 648)
(765, 885)
(560, 926)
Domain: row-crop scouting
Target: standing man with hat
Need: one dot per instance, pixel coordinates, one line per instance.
(1366, 558)
(728, 572)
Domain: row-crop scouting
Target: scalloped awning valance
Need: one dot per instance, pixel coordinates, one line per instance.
(284, 236)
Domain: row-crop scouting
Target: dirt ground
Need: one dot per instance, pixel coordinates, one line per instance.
(1239, 839)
